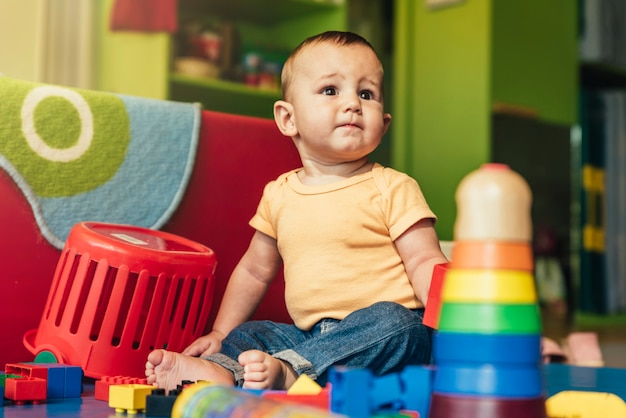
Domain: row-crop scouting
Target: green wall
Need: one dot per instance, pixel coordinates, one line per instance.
(442, 79)
(535, 57)
(454, 65)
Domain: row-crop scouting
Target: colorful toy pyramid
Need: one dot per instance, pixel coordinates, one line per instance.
(488, 344)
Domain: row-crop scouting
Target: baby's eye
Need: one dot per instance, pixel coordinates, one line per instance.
(366, 95)
(329, 91)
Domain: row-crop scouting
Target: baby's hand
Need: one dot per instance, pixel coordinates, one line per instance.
(205, 345)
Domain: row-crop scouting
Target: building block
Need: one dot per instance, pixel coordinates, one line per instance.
(304, 385)
(64, 381)
(349, 389)
(319, 400)
(160, 404)
(26, 370)
(21, 389)
(417, 382)
(385, 393)
(3, 378)
(357, 393)
(101, 387)
(130, 398)
(585, 405)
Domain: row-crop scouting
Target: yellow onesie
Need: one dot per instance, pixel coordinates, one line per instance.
(337, 241)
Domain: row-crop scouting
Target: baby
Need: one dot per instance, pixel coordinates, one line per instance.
(357, 242)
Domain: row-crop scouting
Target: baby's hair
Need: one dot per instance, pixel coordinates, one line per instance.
(334, 37)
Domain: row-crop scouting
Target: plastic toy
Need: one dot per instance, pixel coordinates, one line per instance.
(129, 398)
(64, 381)
(24, 381)
(305, 391)
(206, 400)
(160, 404)
(574, 404)
(21, 389)
(487, 346)
(356, 393)
(120, 291)
(102, 386)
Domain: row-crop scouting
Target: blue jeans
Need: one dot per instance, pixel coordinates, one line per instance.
(384, 338)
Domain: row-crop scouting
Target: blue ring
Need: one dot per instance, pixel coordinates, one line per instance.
(487, 380)
(486, 348)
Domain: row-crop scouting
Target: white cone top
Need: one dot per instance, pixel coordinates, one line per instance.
(493, 203)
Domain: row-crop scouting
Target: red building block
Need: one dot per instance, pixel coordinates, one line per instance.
(26, 370)
(321, 400)
(101, 391)
(26, 389)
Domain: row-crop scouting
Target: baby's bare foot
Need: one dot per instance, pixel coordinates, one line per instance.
(167, 369)
(262, 371)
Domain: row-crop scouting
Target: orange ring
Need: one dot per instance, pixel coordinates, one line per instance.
(500, 255)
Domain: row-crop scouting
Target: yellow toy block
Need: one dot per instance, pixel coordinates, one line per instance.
(130, 398)
(304, 385)
(581, 404)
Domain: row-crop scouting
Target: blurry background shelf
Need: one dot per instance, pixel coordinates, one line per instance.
(604, 76)
(264, 12)
(222, 95)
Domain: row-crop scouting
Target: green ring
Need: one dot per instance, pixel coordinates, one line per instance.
(485, 318)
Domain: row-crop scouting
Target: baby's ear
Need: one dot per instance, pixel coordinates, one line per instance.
(386, 121)
(283, 116)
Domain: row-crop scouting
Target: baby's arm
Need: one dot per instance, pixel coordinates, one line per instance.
(419, 249)
(246, 287)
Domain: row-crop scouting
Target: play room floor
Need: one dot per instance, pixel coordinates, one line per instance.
(611, 333)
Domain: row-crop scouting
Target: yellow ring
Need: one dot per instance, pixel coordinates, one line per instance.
(496, 286)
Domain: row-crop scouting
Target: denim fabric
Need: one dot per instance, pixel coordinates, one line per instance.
(385, 338)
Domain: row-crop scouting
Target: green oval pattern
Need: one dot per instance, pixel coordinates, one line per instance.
(58, 124)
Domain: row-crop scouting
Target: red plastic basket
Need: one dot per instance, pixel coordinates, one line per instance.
(121, 291)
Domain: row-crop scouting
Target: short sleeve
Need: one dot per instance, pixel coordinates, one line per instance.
(262, 219)
(404, 202)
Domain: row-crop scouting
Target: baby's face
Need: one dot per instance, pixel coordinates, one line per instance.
(337, 99)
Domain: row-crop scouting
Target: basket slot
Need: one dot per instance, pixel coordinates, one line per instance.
(67, 307)
(155, 312)
(180, 314)
(56, 282)
(103, 302)
(135, 316)
(115, 308)
(78, 296)
(206, 304)
(92, 305)
(195, 306)
(170, 305)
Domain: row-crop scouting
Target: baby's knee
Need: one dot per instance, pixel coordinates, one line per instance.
(391, 311)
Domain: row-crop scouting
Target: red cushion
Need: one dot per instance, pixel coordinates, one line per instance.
(236, 157)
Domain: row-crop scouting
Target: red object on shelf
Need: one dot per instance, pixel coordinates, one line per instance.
(145, 15)
(119, 292)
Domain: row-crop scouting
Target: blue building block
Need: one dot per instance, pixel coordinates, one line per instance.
(417, 383)
(357, 393)
(68, 380)
(386, 393)
(349, 393)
